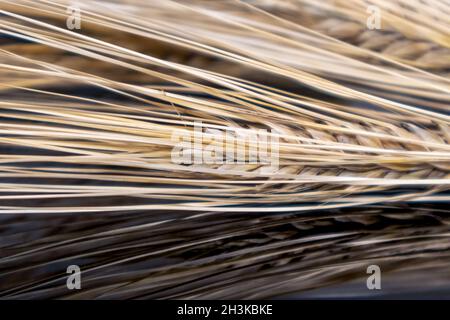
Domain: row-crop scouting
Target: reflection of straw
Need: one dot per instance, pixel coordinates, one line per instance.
(219, 255)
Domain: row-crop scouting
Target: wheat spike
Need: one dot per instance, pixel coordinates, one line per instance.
(88, 118)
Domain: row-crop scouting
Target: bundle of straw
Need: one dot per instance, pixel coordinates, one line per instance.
(86, 143)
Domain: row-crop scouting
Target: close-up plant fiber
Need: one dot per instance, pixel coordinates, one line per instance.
(121, 122)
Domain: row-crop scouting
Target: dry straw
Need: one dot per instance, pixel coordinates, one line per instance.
(87, 115)
(385, 133)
